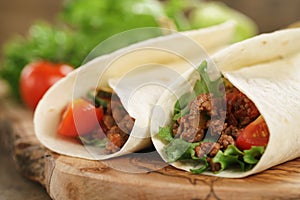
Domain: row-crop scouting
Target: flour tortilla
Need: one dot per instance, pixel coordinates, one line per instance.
(266, 69)
(153, 58)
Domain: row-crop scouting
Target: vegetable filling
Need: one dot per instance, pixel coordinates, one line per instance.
(215, 129)
(110, 129)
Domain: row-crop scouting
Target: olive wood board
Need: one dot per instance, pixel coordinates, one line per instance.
(73, 178)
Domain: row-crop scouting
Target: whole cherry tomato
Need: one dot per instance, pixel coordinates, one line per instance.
(79, 118)
(37, 77)
(255, 134)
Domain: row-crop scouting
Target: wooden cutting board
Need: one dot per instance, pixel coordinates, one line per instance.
(72, 178)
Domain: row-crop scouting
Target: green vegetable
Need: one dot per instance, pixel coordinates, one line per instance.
(98, 20)
(191, 14)
(202, 86)
(181, 107)
(201, 169)
(165, 133)
(231, 156)
(217, 12)
(96, 142)
(177, 149)
(253, 155)
(91, 95)
(106, 15)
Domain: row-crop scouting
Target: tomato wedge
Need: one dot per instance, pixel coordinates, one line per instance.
(79, 118)
(255, 134)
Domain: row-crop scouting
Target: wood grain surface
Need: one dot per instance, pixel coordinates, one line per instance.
(138, 176)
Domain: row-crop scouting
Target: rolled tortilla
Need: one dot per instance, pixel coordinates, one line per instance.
(131, 66)
(266, 69)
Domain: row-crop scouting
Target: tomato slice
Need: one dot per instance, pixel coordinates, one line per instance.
(255, 134)
(79, 118)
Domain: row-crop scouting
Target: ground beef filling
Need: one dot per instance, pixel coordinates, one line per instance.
(205, 121)
(116, 124)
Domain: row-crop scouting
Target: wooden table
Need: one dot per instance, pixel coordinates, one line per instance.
(72, 178)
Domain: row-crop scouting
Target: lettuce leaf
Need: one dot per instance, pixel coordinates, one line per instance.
(165, 133)
(205, 85)
(181, 107)
(253, 155)
(177, 150)
(201, 169)
(233, 156)
(96, 142)
(202, 86)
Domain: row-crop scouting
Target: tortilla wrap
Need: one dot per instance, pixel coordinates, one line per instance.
(150, 60)
(266, 68)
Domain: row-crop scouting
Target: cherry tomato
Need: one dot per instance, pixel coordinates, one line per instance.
(79, 118)
(37, 77)
(255, 134)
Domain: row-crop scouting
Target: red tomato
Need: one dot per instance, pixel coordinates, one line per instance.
(37, 77)
(255, 134)
(79, 118)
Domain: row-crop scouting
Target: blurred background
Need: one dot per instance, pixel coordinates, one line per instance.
(67, 30)
(16, 16)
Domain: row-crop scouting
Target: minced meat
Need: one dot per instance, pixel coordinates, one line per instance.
(116, 123)
(198, 124)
